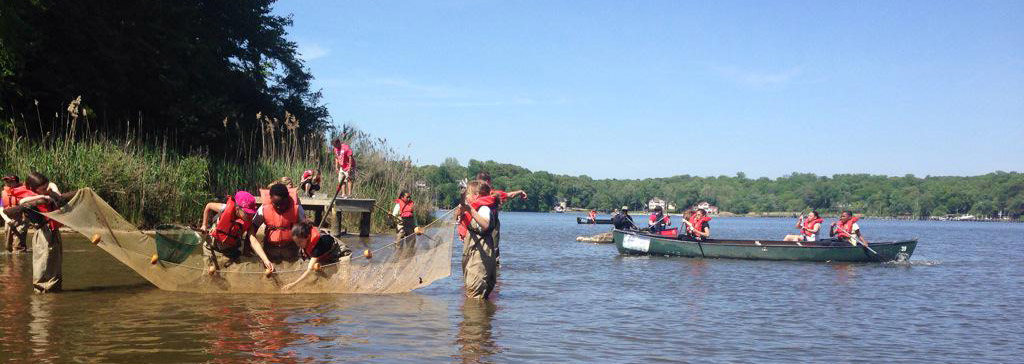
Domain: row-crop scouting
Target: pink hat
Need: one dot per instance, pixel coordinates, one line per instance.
(245, 201)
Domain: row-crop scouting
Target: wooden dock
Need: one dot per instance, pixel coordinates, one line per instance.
(318, 205)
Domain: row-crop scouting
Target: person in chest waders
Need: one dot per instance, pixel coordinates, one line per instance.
(501, 197)
(476, 215)
(36, 196)
(280, 211)
(16, 232)
(227, 235)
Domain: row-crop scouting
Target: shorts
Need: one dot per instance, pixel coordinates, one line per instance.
(313, 186)
(346, 176)
(288, 252)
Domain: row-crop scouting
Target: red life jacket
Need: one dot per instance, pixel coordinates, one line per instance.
(405, 208)
(279, 225)
(314, 238)
(490, 201)
(843, 230)
(8, 199)
(593, 215)
(230, 228)
(22, 191)
(665, 218)
(809, 226)
(697, 223)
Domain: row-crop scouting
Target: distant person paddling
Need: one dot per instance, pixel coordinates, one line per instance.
(697, 227)
(809, 227)
(344, 164)
(847, 230)
(623, 221)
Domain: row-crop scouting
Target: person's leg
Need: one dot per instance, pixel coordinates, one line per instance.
(47, 257)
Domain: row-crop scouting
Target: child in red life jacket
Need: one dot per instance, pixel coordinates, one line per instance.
(234, 219)
(319, 248)
(697, 227)
(478, 214)
(37, 196)
(808, 226)
(847, 230)
(403, 211)
(16, 231)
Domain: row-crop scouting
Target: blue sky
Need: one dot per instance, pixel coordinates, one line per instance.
(636, 89)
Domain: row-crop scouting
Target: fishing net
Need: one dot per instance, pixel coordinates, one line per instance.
(396, 266)
(175, 243)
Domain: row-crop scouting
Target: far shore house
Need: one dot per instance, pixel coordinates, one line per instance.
(711, 209)
(654, 203)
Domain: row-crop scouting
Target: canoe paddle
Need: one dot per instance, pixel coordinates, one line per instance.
(867, 249)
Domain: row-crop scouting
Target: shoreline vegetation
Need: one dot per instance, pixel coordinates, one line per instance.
(998, 195)
(149, 181)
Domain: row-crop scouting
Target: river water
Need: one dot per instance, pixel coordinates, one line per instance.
(958, 300)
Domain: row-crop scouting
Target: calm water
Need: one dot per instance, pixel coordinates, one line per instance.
(958, 300)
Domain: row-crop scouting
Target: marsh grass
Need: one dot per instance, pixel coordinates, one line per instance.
(149, 181)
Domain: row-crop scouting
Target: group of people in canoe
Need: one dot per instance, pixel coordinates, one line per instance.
(697, 225)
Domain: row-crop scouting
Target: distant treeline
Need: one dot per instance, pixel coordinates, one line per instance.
(984, 196)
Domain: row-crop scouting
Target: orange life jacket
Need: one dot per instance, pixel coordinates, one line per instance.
(279, 225)
(314, 238)
(405, 208)
(230, 228)
(843, 230)
(490, 201)
(593, 215)
(697, 223)
(8, 199)
(20, 192)
(809, 226)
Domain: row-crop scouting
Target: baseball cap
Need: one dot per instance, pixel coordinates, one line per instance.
(245, 201)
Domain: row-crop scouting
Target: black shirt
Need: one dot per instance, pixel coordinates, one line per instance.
(324, 245)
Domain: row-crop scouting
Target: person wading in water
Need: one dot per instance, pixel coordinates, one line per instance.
(39, 195)
(501, 197)
(476, 215)
(233, 221)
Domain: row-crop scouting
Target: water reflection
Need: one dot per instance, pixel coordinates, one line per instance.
(475, 341)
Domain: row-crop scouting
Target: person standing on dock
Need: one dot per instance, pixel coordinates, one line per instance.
(403, 211)
(310, 182)
(477, 213)
(280, 211)
(344, 162)
(847, 230)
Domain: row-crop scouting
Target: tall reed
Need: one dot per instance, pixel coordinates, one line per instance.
(149, 181)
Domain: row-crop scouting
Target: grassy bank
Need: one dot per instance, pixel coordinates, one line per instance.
(149, 182)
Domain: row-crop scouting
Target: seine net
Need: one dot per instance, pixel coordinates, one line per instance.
(396, 265)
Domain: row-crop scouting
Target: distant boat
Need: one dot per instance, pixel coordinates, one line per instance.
(559, 209)
(638, 243)
(584, 220)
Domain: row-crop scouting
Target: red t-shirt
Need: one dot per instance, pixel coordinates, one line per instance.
(502, 195)
(343, 157)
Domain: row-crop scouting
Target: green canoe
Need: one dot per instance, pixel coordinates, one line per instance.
(640, 243)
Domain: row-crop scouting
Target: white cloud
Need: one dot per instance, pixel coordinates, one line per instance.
(311, 51)
(758, 78)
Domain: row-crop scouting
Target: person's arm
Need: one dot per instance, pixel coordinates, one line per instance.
(483, 221)
(517, 193)
(860, 237)
(706, 233)
(33, 200)
(815, 229)
(800, 223)
(309, 268)
(206, 215)
(396, 210)
(53, 188)
(257, 247)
